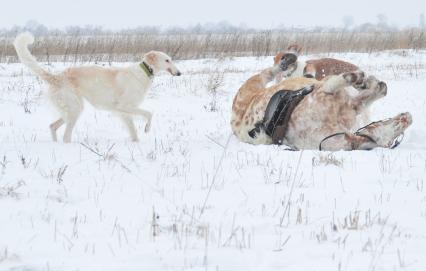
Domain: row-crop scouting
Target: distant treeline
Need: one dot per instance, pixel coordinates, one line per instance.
(92, 44)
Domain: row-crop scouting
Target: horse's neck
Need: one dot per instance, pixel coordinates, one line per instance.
(253, 87)
(299, 70)
(256, 83)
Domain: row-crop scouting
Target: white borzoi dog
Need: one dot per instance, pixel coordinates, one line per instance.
(119, 90)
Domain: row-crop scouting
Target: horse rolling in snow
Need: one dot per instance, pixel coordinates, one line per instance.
(305, 113)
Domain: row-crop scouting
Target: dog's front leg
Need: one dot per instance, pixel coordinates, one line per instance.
(139, 112)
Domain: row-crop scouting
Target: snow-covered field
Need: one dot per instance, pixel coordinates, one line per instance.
(189, 196)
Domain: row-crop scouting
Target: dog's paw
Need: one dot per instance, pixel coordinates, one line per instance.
(148, 122)
(148, 126)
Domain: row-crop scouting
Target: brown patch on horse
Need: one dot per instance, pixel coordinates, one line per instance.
(324, 67)
(277, 58)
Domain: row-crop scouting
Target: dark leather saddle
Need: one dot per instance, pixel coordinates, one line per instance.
(278, 113)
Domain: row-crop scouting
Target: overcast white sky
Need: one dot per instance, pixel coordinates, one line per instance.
(260, 13)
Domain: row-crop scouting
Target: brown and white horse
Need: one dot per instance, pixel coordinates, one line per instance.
(328, 116)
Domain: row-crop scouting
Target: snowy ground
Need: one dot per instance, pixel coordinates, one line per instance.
(189, 196)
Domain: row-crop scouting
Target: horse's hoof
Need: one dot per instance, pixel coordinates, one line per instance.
(354, 77)
(287, 60)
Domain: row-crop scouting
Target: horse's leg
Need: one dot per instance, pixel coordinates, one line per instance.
(310, 71)
(260, 80)
(372, 90)
(241, 107)
(335, 83)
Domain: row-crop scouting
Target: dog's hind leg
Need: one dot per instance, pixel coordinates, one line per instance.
(54, 127)
(70, 106)
(130, 125)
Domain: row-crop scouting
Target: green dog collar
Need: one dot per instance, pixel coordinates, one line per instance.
(148, 70)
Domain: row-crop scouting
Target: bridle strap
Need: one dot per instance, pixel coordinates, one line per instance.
(396, 142)
(328, 137)
(352, 145)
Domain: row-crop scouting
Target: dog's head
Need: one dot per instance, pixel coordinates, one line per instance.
(160, 61)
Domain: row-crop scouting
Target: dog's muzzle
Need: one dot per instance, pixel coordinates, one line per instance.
(174, 73)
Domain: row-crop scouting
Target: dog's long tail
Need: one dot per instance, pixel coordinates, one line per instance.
(21, 46)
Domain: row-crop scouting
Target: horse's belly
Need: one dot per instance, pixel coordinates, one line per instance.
(305, 138)
(315, 118)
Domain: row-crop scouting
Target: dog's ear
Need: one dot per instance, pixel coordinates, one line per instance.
(151, 57)
(278, 57)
